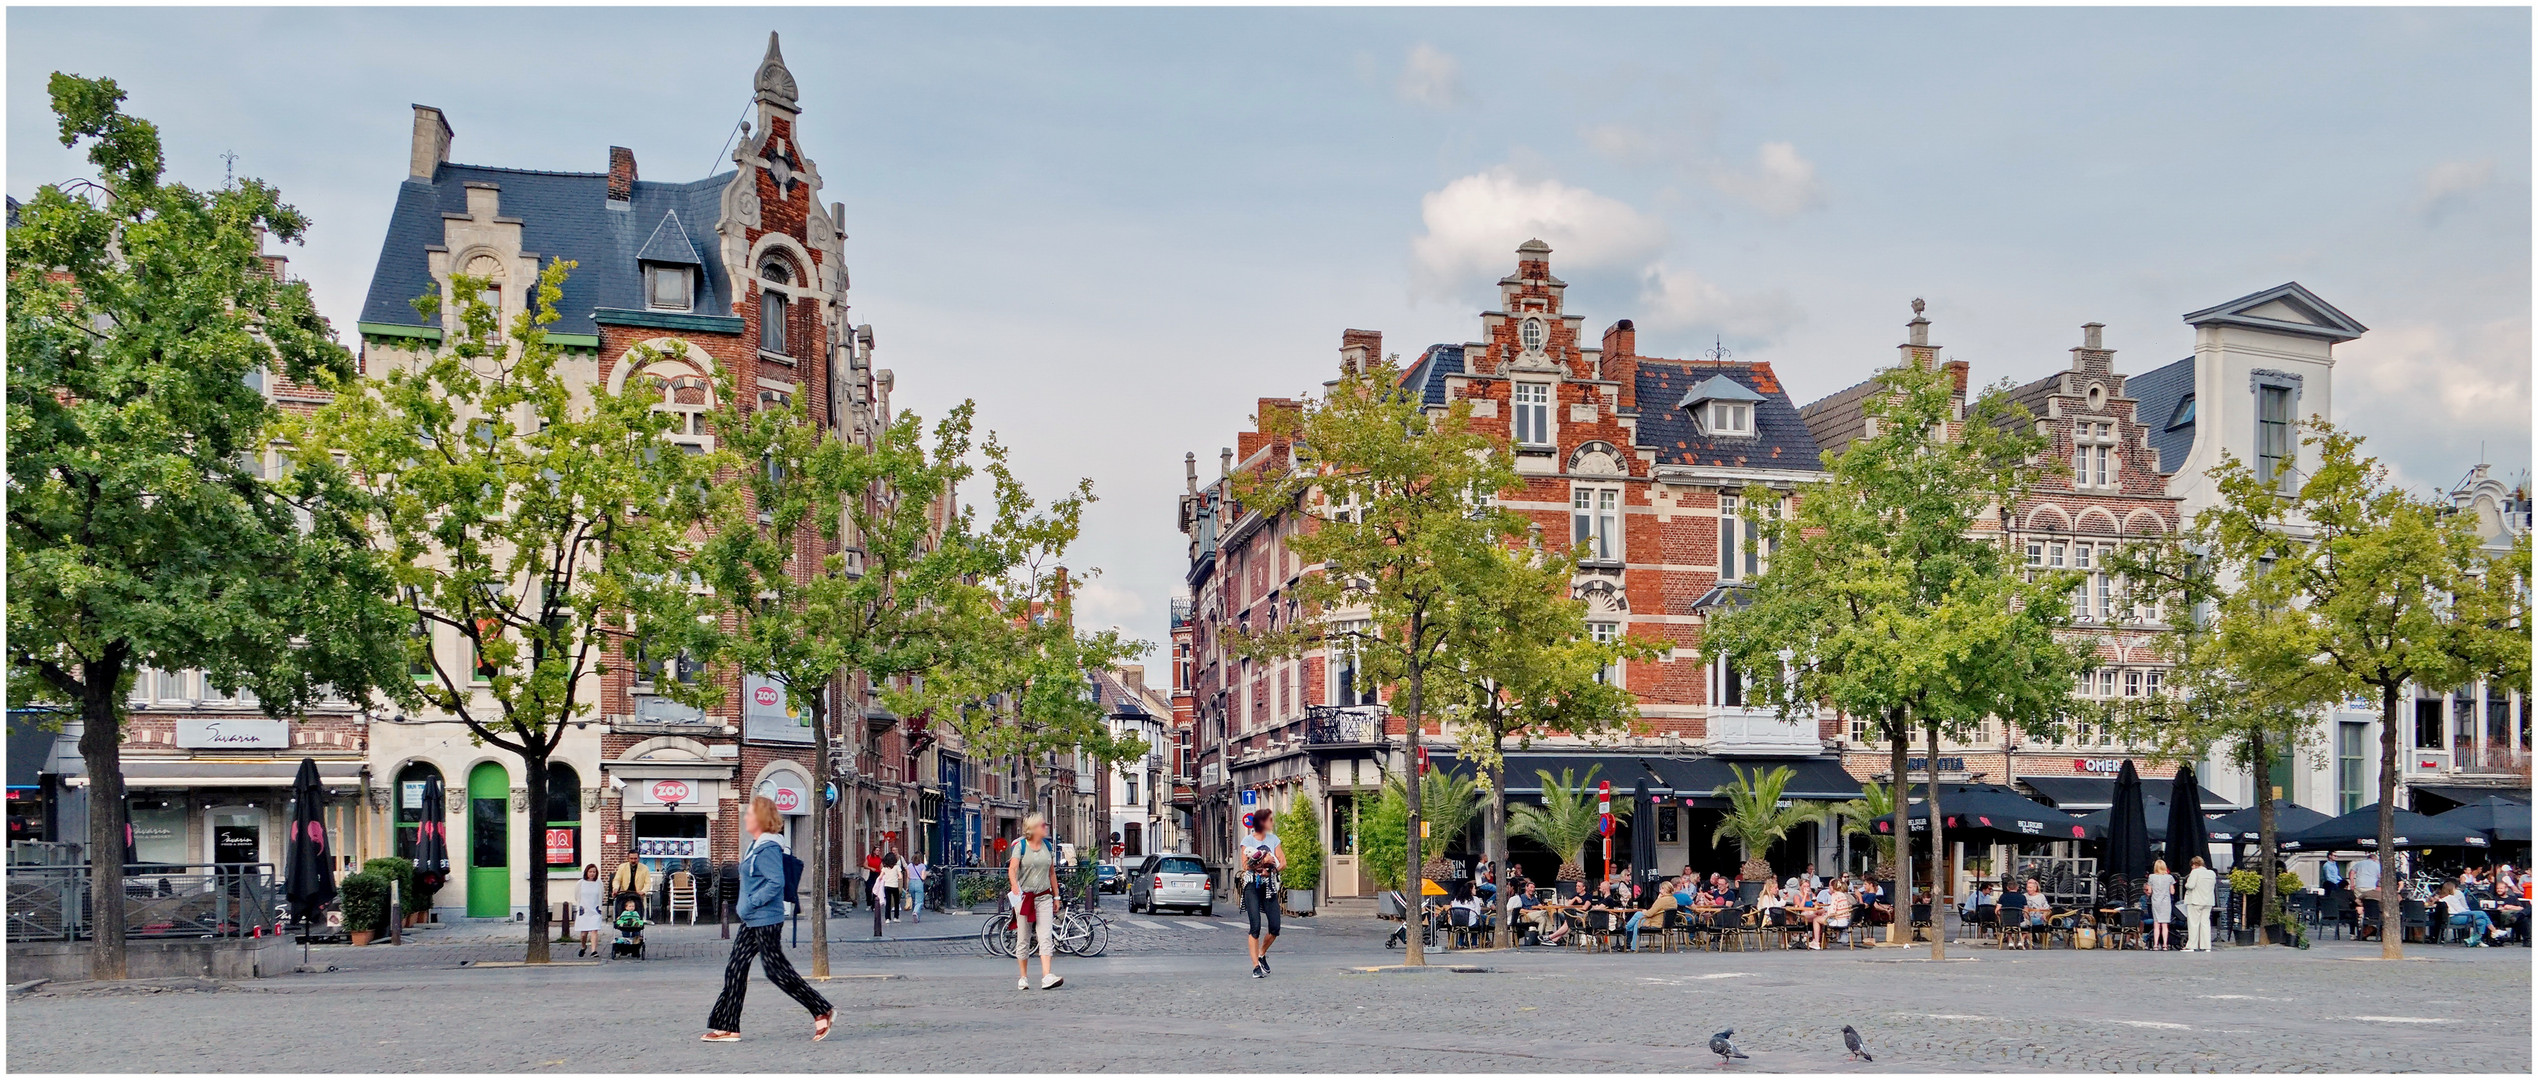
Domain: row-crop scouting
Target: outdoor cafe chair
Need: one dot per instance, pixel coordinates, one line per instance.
(1986, 922)
(2413, 916)
(683, 895)
(2128, 927)
(1921, 921)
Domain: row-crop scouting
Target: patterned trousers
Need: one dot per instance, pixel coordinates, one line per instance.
(765, 943)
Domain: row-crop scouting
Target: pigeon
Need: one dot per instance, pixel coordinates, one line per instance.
(1725, 1050)
(1850, 1038)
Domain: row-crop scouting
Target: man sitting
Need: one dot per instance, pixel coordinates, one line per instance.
(2011, 915)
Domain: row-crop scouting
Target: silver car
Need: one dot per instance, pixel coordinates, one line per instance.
(1163, 881)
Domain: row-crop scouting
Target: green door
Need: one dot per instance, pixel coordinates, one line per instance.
(489, 842)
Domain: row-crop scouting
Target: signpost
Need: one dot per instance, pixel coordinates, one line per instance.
(1604, 809)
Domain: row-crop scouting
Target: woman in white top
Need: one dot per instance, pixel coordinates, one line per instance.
(2162, 888)
(588, 921)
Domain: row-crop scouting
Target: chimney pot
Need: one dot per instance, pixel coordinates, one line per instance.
(1189, 470)
(621, 174)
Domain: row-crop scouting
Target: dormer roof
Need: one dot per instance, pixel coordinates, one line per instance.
(2284, 309)
(669, 244)
(1716, 388)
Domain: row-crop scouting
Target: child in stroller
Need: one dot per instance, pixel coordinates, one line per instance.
(629, 923)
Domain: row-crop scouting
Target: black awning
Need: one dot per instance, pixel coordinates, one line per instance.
(2081, 794)
(1524, 769)
(1816, 778)
(30, 745)
(2457, 794)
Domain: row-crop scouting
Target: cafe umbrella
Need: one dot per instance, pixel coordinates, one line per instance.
(2502, 820)
(310, 871)
(1994, 809)
(1643, 833)
(2239, 827)
(2189, 836)
(431, 841)
(2359, 831)
(2127, 854)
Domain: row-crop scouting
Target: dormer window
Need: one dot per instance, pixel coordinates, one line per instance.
(669, 288)
(1721, 407)
(1731, 418)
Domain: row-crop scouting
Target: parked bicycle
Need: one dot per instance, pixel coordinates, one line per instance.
(1080, 931)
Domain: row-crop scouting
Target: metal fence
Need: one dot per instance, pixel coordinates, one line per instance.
(52, 903)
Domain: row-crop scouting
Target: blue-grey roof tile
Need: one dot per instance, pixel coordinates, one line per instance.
(1428, 375)
(1780, 439)
(2160, 392)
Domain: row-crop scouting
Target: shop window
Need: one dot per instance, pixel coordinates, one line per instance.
(563, 817)
(2349, 739)
(409, 803)
(158, 831)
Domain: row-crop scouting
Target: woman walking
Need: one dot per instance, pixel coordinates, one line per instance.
(916, 891)
(2162, 887)
(1263, 858)
(1033, 871)
(761, 934)
(893, 872)
(588, 919)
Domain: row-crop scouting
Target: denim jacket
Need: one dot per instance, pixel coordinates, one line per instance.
(762, 882)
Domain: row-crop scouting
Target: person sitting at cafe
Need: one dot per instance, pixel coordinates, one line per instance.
(2464, 912)
(1659, 902)
(2010, 915)
(1833, 910)
(2039, 909)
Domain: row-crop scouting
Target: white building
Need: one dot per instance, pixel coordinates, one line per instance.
(1138, 818)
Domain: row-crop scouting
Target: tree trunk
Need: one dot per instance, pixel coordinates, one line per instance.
(2264, 829)
(1496, 844)
(101, 747)
(2390, 927)
(1899, 740)
(1940, 879)
(819, 832)
(534, 773)
(1414, 952)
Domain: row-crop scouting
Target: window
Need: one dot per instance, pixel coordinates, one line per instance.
(2093, 460)
(419, 665)
(2035, 553)
(1343, 656)
(2053, 555)
(771, 320)
(666, 288)
(1605, 633)
(1596, 514)
(2106, 684)
(2150, 683)
(1731, 418)
(1533, 414)
(1128, 792)
(1740, 554)
(491, 297)
(2428, 724)
(486, 630)
(1532, 334)
(2184, 414)
(1731, 683)
(2132, 684)
(563, 817)
(2349, 739)
(1669, 823)
(2273, 436)
(1343, 830)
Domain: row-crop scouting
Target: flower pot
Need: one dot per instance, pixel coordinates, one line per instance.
(2243, 935)
(2276, 935)
(1300, 901)
(1748, 891)
(362, 937)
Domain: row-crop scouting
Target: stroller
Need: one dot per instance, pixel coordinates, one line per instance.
(629, 923)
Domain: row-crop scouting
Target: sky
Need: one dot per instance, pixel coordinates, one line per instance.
(1116, 229)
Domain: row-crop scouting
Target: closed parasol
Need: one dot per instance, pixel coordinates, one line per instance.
(2127, 858)
(431, 842)
(2189, 836)
(307, 870)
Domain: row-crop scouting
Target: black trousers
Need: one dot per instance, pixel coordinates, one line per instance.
(765, 944)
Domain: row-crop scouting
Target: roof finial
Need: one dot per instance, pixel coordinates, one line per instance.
(775, 84)
(1718, 352)
(1917, 305)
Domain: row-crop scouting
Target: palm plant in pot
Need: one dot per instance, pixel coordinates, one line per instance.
(1876, 802)
(1564, 822)
(1757, 818)
(1448, 802)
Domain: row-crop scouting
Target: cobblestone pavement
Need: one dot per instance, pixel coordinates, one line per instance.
(1173, 997)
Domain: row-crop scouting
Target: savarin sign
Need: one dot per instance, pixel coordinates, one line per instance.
(234, 734)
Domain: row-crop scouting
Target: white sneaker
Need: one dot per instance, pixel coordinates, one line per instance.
(1052, 982)
(1023, 983)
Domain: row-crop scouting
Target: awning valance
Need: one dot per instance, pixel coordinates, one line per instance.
(229, 772)
(2081, 794)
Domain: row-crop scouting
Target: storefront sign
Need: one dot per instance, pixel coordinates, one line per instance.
(563, 846)
(1946, 764)
(788, 791)
(766, 715)
(251, 734)
(410, 794)
(2098, 765)
(669, 847)
(667, 792)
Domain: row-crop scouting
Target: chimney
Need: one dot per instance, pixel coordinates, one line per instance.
(1134, 675)
(621, 176)
(1225, 461)
(1621, 339)
(431, 142)
(1360, 348)
(2092, 335)
(1917, 349)
(1621, 361)
(1957, 371)
(1189, 471)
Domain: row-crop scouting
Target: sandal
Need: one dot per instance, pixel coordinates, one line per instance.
(722, 1036)
(820, 1023)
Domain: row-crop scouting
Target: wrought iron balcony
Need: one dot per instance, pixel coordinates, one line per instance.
(1344, 725)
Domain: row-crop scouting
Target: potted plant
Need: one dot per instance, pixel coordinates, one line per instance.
(365, 905)
(1564, 822)
(1757, 817)
(1300, 830)
(399, 872)
(2243, 889)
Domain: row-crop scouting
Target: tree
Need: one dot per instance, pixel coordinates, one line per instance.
(1520, 664)
(1886, 599)
(1859, 817)
(1565, 821)
(1755, 818)
(1449, 800)
(532, 514)
(144, 528)
(1401, 503)
(2343, 583)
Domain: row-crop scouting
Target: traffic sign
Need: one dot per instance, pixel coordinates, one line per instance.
(1251, 798)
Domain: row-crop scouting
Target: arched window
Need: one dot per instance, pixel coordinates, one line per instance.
(773, 306)
(563, 817)
(409, 796)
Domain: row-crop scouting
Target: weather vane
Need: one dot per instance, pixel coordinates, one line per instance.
(1719, 351)
(228, 167)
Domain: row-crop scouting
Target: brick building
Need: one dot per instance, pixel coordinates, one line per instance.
(1642, 460)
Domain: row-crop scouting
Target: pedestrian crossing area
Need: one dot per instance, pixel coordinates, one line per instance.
(1200, 925)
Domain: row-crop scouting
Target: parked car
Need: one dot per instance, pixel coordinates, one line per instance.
(1112, 880)
(1163, 881)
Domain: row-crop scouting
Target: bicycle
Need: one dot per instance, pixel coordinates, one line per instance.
(1077, 933)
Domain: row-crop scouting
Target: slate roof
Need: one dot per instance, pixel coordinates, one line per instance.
(1780, 439)
(2160, 390)
(1833, 421)
(563, 216)
(1428, 375)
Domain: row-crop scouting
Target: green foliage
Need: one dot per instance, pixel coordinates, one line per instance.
(400, 871)
(1382, 829)
(1449, 802)
(364, 899)
(1859, 817)
(1300, 830)
(1755, 819)
(144, 527)
(1565, 820)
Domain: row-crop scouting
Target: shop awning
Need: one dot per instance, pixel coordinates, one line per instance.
(30, 745)
(2081, 794)
(1524, 769)
(1819, 779)
(230, 772)
(2456, 794)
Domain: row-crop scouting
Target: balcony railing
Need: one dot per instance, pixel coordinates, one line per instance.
(1344, 725)
(51, 903)
(1761, 730)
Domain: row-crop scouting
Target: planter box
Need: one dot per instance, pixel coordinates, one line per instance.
(1300, 901)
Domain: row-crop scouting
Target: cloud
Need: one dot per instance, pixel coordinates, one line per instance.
(1430, 77)
(2449, 185)
(1678, 298)
(1780, 183)
(1100, 604)
(1475, 223)
(2428, 394)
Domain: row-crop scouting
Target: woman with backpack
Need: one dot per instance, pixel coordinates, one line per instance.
(1033, 871)
(762, 895)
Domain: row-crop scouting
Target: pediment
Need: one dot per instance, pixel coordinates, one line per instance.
(2286, 308)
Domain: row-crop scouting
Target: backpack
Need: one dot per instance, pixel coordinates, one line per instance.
(792, 880)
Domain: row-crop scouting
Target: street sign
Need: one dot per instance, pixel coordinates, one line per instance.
(1604, 798)
(1251, 798)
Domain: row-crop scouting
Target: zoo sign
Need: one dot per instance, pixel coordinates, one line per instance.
(670, 791)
